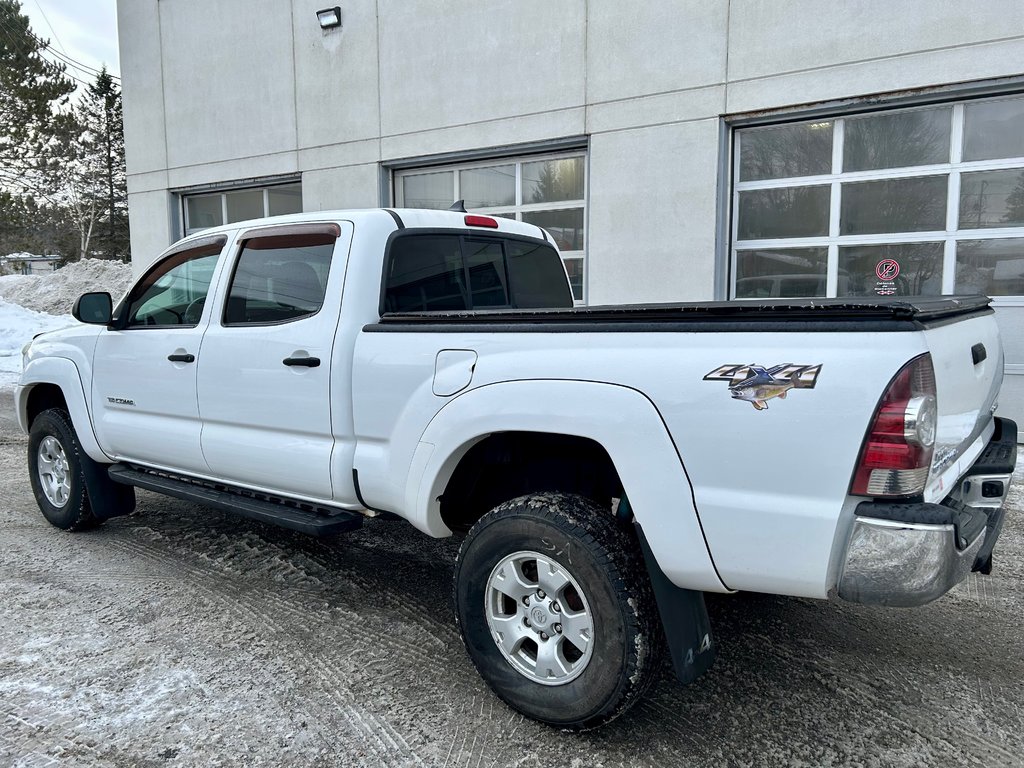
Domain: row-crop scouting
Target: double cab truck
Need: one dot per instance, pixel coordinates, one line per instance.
(604, 466)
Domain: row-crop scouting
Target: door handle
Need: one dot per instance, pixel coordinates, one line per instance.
(186, 358)
(306, 362)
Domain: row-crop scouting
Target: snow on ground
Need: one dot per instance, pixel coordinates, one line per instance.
(31, 304)
(17, 326)
(55, 292)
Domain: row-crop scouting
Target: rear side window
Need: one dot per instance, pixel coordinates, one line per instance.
(451, 272)
(537, 276)
(279, 278)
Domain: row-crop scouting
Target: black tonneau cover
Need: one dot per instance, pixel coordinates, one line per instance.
(787, 315)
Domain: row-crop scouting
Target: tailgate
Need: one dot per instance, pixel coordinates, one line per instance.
(968, 359)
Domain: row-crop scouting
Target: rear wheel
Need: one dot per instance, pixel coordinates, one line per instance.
(56, 474)
(556, 609)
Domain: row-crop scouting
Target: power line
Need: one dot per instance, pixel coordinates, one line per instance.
(17, 40)
(54, 31)
(81, 67)
(61, 56)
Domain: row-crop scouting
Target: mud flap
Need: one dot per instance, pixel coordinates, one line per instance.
(107, 498)
(684, 617)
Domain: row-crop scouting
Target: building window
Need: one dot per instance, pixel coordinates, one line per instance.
(924, 201)
(548, 190)
(216, 208)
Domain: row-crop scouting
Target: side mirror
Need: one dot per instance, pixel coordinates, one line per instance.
(93, 308)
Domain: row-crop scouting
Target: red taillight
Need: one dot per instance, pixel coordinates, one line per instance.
(481, 221)
(897, 452)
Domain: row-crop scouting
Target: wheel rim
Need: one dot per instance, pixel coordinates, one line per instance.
(53, 470)
(539, 618)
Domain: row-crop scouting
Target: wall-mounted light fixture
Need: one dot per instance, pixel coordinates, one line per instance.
(329, 18)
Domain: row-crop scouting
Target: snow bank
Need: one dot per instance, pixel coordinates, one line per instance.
(55, 292)
(17, 326)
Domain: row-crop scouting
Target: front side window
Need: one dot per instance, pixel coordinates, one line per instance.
(548, 191)
(279, 278)
(173, 292)
(913, 202)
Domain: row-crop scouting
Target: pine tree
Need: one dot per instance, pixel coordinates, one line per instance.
(32, 90)
(102, 149)
(89, 175)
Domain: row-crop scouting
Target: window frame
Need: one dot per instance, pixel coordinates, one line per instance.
(222, 193)
(462, 235)
(516, 210)
(952, 170)
(123, 310)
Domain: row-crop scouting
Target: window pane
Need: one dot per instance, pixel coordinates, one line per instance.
(537, 276)
(781, 272)
(990, 267)
(429, 190)
(785, 151)
(994, 129)
(486, 187)
(425, 273)
(285, 199)
(204, 211)
(897, 140)
(912, 269)
(279, 278)
(574, 268)
(565, 226)
(247, 204)
(550, 181)
(485, 262)
(789, 212)
(174, 292)
(992, 199)
(894, 205)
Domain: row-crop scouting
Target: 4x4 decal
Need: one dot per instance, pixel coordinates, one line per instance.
(757, 384)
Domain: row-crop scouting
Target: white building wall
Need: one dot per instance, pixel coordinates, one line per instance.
(248, 89)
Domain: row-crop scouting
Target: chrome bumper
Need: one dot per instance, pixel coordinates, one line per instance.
(911, 553)
(903, 564)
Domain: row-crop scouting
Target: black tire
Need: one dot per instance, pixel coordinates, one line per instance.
(76, 513)
(603, 556)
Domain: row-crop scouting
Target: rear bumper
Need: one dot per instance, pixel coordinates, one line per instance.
(907, 554)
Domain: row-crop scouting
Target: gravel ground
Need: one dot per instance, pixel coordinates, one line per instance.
(182, 636)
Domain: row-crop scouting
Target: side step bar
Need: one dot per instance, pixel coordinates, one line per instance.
(295, 515)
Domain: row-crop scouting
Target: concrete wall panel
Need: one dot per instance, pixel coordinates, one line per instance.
(336, 98)
(254, 167)
(768, 37)
(351, 187)
(150, 215)
(674, 107)
(496, 133)
(652, 214)
(919, 70)
(646, 48)
(229, 80)
(452, 62)
(142, 86)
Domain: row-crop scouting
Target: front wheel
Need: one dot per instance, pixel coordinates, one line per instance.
(556, 609)
(56, 472)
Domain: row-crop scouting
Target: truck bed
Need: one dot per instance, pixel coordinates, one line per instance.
(789, 315)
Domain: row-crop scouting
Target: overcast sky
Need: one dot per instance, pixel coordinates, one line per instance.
(84, 30)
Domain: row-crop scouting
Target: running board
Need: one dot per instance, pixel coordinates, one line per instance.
(300, 516)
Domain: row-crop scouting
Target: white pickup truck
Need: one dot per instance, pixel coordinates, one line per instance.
(605, 465)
